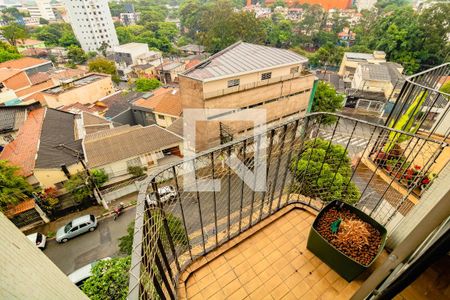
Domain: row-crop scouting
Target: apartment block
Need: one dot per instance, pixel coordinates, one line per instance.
(92, 23)
(42, 9)
(245, 76)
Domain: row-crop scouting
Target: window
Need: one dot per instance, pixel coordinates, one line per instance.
(265, 76)
(83, 225)
(233, 82)
(294, 70)
(161, 117)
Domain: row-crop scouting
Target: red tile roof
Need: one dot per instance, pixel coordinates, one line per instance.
(8, 73)
(35, 88)
(192, 63)
(22, 151)
(165, 101)
(20, 208)
(38, 77)
(23, 63)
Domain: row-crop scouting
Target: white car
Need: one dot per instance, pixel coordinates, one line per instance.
(38, 239)
(79, 276)
(166, 194)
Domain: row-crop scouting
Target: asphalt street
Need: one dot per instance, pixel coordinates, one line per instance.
(91, 246)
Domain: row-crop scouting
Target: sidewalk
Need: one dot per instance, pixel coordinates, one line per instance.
(97, 210)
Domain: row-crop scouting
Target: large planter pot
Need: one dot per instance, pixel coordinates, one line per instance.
(345, 266)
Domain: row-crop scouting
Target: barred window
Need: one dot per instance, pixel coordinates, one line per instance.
(265, 76)
(233, 82)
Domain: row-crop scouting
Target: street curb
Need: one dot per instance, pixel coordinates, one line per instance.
(102, 217)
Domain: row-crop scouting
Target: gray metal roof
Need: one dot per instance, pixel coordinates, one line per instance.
(57, 129)
(242, 58)
(382, 72)
(12, 118)
(359, 56)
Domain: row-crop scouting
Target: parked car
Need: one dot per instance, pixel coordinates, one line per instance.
(76, 227)
(38, 239)
(79, 276)
(166, 194)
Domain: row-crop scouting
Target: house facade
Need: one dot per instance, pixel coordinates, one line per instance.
(245, 76)
(116, 150)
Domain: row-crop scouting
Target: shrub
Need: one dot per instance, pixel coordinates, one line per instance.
(323, 171)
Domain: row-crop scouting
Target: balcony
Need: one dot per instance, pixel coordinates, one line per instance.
(238, 242)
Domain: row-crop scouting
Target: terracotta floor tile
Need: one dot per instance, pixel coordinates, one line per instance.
(273, 263)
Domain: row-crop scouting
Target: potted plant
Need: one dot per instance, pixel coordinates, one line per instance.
(346, 239)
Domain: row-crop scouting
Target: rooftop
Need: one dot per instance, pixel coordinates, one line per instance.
(24, 63)
(88, 79)
(169, 65)
(12, 118)
(241, 58)
(6, 73)
(125, 142)
(192, 48)
(129, 47)
(382, 72)
(58, 129)
(22, 151)
(28, 42)
(165, 101)
(118, 102)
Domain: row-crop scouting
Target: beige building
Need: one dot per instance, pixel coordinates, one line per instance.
(351, 60)
(87, 89)
(384, 77)
(245, 76)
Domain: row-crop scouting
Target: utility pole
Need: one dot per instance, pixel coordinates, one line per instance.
(96, 190)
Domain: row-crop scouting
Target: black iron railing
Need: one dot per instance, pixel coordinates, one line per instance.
(310, 161)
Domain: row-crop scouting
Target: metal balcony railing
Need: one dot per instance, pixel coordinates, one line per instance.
(307, 162)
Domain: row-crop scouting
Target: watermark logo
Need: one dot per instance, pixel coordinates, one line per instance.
(203, 125)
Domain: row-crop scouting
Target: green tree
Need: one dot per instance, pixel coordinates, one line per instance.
(13, 187)
(146, 84)
(8, 52)
(176, 229)
(323, 171)
(445, 88)
(13, 32)
(76, 55)
(103, 65)
(109, 279)
(81, 187)
(327, 100)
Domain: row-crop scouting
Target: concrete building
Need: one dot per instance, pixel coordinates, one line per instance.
(128, 55)
(374, 84)
(245, 76)
(25, 44)
(365, 4)
(87, 89)
(92, 24)
(42, 9)
(351, 60)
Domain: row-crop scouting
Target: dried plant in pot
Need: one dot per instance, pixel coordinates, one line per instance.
(346, 239)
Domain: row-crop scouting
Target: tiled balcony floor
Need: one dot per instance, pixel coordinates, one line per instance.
(271, 263)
